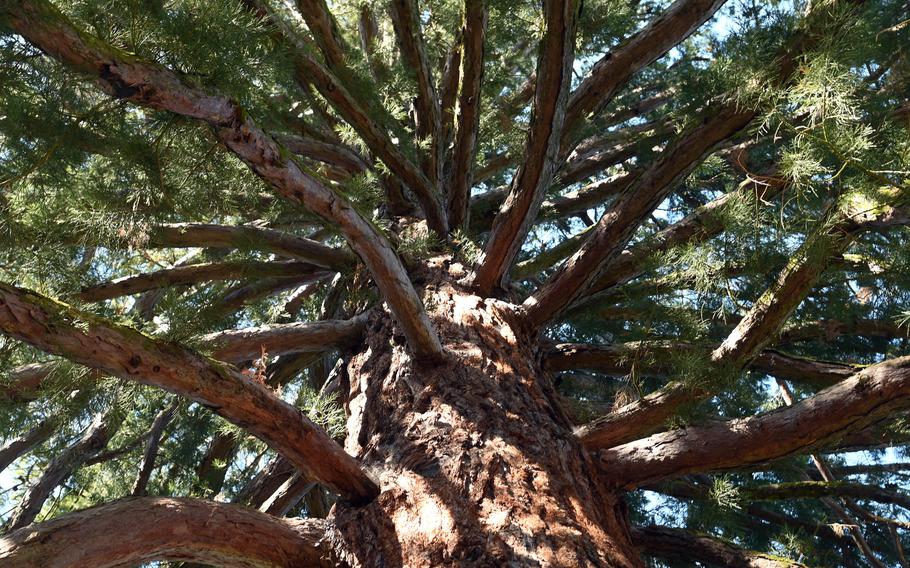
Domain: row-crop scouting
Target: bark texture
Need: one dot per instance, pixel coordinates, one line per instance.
(476, 461)
(166, 528)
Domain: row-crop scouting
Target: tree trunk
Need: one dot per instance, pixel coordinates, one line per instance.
(474, 455)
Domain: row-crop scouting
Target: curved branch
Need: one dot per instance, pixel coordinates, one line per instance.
(326, 152)
(862, 400)
(167, 528)
(127, 77)
(62, 330)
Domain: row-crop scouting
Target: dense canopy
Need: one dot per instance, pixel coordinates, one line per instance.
(696, 209)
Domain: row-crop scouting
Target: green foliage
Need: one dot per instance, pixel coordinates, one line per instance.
(85, 179)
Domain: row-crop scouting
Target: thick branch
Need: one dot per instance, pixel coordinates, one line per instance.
(615, 68)
(406, 22)
(868, 397)
(817, 489)
(654, 358)
(238, 345)
(137, 530)
(468, 120)
(331, 154)
(617, 226)
(754, 332)
(554, 73)
(130, 355)
(322, 25)
(16, 448)
(248, 237)
(673, 543)
(24, 382)
(127, 77)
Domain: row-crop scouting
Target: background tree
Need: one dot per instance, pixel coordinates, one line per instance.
(470, 283)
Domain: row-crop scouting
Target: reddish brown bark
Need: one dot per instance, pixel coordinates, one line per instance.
(125, 353)
(554, 73)
(853, 404)
(476, 461)
(166, 528)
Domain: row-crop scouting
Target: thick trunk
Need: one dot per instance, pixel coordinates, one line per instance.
(476, 460)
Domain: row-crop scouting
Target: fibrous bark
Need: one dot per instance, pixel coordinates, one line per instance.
(122, 352)
(554, 73)
(167, 528)
(147, 84)
(519, 491)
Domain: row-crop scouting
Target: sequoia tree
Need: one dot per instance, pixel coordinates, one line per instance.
(454, 283)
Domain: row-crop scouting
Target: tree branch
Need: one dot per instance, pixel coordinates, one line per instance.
(322, 25)
(93, 440)
(167, 528)
(192, 274)
(468, 119)
(617, 226)
(249, 237)
(405, 16)
(672, 543)
(16, 448)
(238, 345)
(654, 358)
(130, 355)
(744, 343)
(614, 69)
(554, 74)
(162, 419)
(862, 400)
(332, 154)
(127, 77)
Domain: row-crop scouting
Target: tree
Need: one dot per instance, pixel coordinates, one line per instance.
(454, 283)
